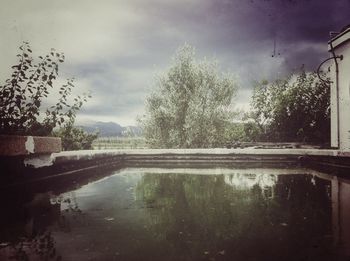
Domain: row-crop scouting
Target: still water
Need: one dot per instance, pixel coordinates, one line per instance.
(183, 214)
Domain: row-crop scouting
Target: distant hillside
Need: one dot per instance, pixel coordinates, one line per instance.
(111, 129)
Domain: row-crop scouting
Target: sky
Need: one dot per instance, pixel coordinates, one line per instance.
(115, 49)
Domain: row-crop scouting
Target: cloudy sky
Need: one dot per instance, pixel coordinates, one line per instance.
(115, 48)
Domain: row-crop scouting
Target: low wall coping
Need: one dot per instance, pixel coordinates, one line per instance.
(12, 145)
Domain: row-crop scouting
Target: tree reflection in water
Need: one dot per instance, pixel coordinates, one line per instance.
(182, 214)
(231, 217)
(33, 239)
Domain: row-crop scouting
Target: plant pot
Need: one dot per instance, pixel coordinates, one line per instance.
(28, 145)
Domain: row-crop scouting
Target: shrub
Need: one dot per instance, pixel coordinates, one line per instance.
(74, 138)
(22, 96)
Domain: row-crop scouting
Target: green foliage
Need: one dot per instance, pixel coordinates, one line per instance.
(74, 138)
(243, 131)
(293, 109)
(190, 107)
(23, 94)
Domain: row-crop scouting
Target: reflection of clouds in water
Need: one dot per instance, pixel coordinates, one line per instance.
(247, 181)
(131, 175)
(125, 176)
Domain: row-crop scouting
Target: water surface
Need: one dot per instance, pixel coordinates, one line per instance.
(185, 214)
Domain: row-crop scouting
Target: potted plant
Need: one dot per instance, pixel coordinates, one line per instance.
(26, 121)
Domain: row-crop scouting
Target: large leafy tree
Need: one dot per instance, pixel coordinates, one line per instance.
(293, 109)
(191, 105)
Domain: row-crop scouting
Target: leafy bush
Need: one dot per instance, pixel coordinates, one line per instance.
(74, 138)
(22, 96)
(293, 109)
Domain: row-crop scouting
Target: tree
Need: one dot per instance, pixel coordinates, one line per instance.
(191, 105)
(293, 109)
(23, 94)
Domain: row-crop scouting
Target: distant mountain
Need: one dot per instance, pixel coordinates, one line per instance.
(111, 129)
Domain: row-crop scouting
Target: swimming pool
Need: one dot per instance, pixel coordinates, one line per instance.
(183, 214)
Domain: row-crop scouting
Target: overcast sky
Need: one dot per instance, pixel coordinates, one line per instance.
(115, 48)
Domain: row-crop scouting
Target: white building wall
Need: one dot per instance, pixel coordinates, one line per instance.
(334, 108)
(341, 45)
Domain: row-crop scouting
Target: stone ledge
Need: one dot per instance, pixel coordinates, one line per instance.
(28, 145)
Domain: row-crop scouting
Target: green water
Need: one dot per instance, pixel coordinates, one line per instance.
(182, 214)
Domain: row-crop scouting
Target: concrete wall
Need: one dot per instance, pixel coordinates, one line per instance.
(341, 84)
(341, 216)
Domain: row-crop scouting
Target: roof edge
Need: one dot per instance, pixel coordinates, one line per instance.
(340, 39)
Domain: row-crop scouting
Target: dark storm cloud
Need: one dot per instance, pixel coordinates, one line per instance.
(308, 20)
(295, 32)
(286, 25)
